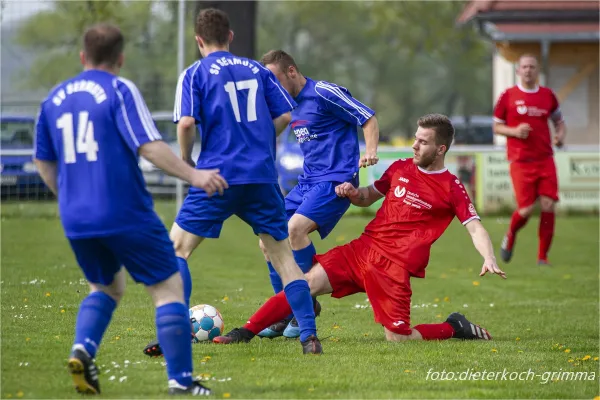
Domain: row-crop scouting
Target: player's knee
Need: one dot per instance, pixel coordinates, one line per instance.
(182, 249)
(263, 249)
(298, 236)
(116, 292)
(168, 291)
(526, 211)
(547, 204)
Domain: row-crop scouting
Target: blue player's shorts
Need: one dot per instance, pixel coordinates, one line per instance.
(318, 202)
(146, 253)
(260, 205)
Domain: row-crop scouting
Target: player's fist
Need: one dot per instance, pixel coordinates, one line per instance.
(492, 267)
(369, 158)
(209, 180)
(522, 131)
(559, 140)
(346, 189)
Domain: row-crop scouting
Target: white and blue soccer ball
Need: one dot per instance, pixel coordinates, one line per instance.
(207, 322)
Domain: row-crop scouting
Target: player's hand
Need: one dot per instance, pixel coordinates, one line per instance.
(559, 140)
(522, 131)
(209, 180)
(369, 158)
(346, 189)
(491, 267)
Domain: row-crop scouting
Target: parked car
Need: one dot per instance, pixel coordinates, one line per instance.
(477, 130)
(157, 182)
(18, 173)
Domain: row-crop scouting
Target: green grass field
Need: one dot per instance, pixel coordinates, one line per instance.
(543, 320)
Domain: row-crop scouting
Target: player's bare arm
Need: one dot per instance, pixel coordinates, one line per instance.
(360, 197)
(371, 131)
(282, 122)
(186, 135)
(560, 132)
(483, 244)
(48, 172)
(159, 154)
(521, 131)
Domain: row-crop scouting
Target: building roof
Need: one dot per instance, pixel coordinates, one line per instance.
(534, 20)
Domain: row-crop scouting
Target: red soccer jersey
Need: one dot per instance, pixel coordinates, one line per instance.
(418, 207)
(518, 105)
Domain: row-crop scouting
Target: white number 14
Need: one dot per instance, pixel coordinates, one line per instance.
(252, 86)
(85, 137)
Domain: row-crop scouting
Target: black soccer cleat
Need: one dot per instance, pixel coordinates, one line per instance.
(506, 249)
(153, 349)
(312, 345)
(195, 389)
(84, 372)
(236, 335)
(463, 329)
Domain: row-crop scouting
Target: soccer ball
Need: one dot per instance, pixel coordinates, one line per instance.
(207, 322)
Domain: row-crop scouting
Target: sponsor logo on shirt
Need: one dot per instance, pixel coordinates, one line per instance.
(472, 209)
(410, 198)
(398, 323)
(302, 131)
(531, 111)
(399, 192)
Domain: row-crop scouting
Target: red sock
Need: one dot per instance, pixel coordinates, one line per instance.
(274, 310)
(441, 331)
(545, 233)
(517, 222)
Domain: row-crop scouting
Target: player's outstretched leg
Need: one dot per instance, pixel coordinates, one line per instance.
(517, 222)
(463, 329)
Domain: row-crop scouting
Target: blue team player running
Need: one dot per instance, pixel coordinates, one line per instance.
(89, 133)
(325, 124)
(240, 108)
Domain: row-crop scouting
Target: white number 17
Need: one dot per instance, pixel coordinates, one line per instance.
(252, 86)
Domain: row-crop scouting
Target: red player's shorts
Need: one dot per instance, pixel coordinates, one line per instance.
(355, 268)
(532, 179)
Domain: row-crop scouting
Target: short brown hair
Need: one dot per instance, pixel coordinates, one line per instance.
(528, 55)
(212, 26)
(280, 58)
(103, 44)
(441, 125)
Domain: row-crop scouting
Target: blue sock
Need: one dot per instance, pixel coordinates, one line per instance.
(304, 257)
(95, 313)
(186, 276)
(174, 332)
(298, 296)
(275, 279)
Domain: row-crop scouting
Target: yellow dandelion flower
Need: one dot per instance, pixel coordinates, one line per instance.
(225, 299)
(567, 350)
(587, 357)
(517, 339)
(226, 395)
(62, 311)
(25, 299)
(443, 276)
(253, 359)
(439, 316)
(19, 394)
(336, 326)
(519, 351)
(117, 337)
(47, 294)
(595, 358)
(446, 298)
(475, 283)
(436, 300)
(27, 339)
(57, 337)
(494, 351)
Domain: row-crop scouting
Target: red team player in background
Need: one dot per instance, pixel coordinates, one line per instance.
(522, 114)
(421, 199)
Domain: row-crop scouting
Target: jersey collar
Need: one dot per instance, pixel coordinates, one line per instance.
(439, 171)
(534, 90)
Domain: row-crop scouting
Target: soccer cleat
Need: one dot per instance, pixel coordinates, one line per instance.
(84, 372)
(236, 335)
(506, 248)
(312, 345)
(292, 331)
(195, 389)
(275, 330)
(153, 349)
(544, 263)
(463, 329)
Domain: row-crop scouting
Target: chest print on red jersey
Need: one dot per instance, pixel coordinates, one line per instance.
(531, 111)
(409, 196)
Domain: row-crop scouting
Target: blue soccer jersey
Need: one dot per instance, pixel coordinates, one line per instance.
(234, 101)
(92, 126)
(325, 124)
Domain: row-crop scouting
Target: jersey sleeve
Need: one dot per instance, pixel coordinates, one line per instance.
(383, 184)
(340, 102)
(501, 107)
(463, 207)
(44, 149)
(133, 118)
(187, 95)
(555, 112)
(278, 99)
